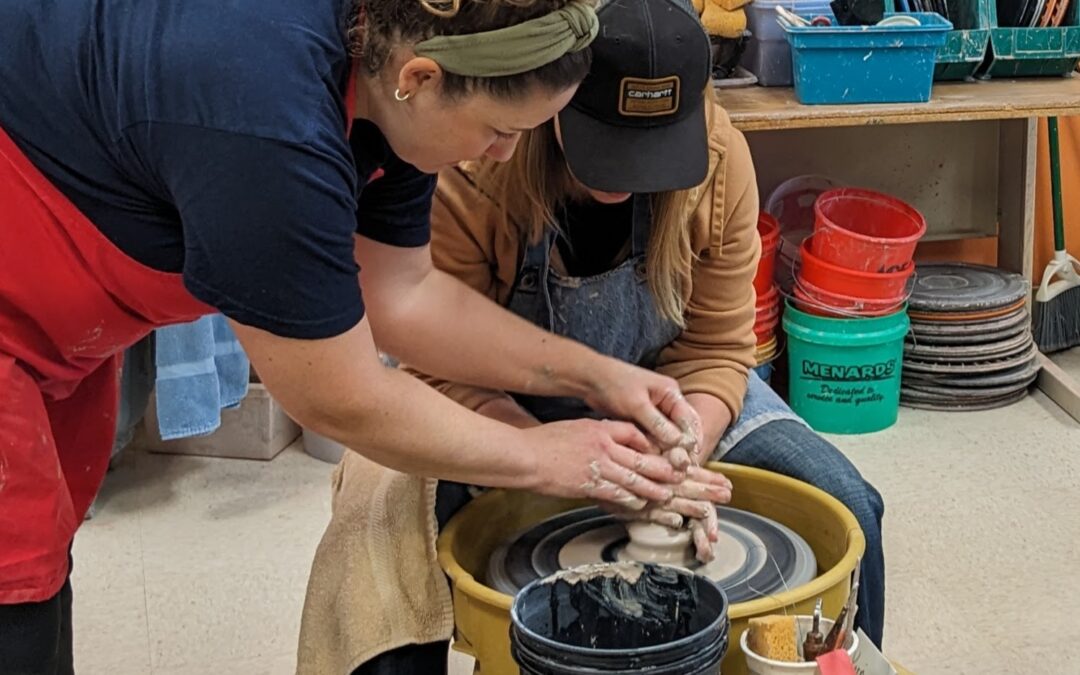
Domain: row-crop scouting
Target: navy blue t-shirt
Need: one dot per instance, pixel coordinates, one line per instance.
(208, 137)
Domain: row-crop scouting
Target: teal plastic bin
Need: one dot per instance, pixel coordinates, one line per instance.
(966, 45)
(1029, 52)
(866, 64)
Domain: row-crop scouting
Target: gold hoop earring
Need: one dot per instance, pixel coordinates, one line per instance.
(401, 98)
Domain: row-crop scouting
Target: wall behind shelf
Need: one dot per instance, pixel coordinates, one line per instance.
(939, 168)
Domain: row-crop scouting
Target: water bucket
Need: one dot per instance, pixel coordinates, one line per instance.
(844, 374)
(619, 618)
(759, 665)
(817, 301)
(852, 283)
(865, 230)
(769, 231)
(321, 447)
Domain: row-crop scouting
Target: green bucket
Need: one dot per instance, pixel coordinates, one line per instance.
(845, 373)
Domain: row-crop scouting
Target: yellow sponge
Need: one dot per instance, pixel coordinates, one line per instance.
(774, 637)
(722, 23)
(699, 6)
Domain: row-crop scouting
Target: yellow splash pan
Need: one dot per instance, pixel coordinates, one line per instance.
(482, 614)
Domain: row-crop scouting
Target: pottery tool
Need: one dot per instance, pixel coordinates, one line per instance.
(789, 18)
(814, 644)
(1057, 302)
(837, 637)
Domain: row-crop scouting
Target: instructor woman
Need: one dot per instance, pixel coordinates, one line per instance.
(163, 160)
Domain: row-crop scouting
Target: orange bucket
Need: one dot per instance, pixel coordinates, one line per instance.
(769, 231)
(865, 230)
(819, 302)
(853, 283)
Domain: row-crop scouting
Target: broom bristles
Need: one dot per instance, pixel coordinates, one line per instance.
(1056, 322)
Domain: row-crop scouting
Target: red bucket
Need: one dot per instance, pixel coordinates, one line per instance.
(769, 231)
(767, 298)
(764, 330)
(847, 282)
(814, 300)
(865, 230)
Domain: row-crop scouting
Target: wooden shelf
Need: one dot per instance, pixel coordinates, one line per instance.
(761, 108)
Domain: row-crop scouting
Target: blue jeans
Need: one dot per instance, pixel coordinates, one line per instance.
(789, 448)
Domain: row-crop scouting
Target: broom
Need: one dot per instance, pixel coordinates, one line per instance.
(1056, 322)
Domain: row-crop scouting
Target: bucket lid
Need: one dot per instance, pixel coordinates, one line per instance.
(849, 332)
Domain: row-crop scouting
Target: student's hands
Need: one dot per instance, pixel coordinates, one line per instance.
(692, 506)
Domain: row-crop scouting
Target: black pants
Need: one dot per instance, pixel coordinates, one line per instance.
(429, 659)
(35, 637)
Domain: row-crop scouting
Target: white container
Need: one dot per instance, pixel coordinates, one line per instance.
(258, 428)
(768, 55)
(759, 665)
(321, 447)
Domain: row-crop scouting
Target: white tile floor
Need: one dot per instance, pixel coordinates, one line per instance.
(197, 566)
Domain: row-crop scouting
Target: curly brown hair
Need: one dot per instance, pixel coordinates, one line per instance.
(376, 27)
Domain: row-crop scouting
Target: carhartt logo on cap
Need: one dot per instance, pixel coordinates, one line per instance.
(639, 97)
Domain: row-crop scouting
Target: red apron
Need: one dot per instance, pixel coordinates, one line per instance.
(70, 303)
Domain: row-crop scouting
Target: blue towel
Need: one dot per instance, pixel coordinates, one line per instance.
(201, 369)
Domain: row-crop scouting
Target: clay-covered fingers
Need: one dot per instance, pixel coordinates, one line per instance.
(692, 509)
(702, 484)
(679, 457)
(604, 490)
(627, 434)
(653, 513)
(705, 532)
(674, 407)
(703, 549)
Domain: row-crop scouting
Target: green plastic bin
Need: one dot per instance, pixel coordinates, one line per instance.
(965, 47)
(844, 374)
(1031, 52)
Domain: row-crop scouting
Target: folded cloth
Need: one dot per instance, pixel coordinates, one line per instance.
(201, 368)
(375, 584)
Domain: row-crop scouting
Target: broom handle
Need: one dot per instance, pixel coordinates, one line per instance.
(1055, 183)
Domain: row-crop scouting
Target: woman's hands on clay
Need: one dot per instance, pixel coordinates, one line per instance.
(607, 461)
(692, 505)
(652, 401)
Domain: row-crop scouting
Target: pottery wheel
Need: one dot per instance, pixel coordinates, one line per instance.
(1023, 373)
(1010, 346)
(755, 556)
(971, 332)
(966, 406)
(974, 366)
(970, 346)
(960, 287)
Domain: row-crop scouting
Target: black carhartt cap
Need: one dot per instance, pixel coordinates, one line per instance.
(637, 123)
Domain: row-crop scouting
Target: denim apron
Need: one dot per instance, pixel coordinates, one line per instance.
(615, 314)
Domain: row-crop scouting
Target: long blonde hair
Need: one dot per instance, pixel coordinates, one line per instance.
(536, 181)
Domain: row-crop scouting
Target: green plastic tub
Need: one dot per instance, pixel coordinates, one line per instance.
(844, 374)
(1031, 52)
(965, 46)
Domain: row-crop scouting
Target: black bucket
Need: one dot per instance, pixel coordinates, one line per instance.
(623, 618)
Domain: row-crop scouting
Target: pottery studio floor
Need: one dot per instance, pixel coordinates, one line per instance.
(197, 566)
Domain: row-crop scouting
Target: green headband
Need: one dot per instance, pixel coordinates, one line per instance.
(515, 49)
